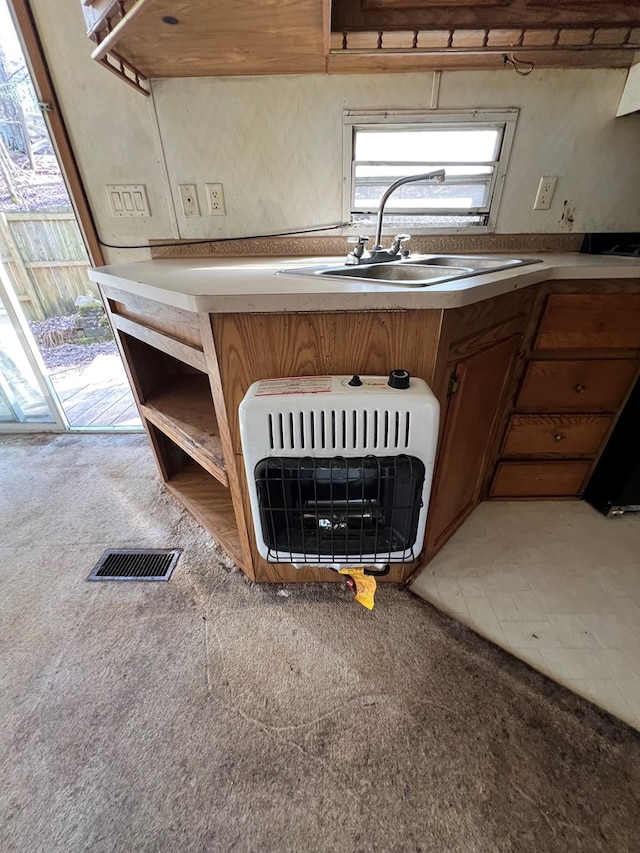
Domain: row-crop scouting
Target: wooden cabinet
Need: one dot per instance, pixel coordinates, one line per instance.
(476, 390)
(190, 372)
(163, 351)
(139, 39)
(526, 405)
(582, 363)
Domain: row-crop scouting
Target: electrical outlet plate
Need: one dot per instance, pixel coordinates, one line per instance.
(128, 200)
(189, 199)
(215, 200)
(546, 189)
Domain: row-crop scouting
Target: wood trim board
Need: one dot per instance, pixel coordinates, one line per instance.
(45, 91)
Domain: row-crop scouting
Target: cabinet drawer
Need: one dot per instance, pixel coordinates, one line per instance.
(590, 321)
(539, 479)
(569, 435)
(587, 385)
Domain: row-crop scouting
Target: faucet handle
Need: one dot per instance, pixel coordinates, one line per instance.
(398, 240)
(358, 251)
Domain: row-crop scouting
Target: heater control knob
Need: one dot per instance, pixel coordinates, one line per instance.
(399, 379)
(355, 381)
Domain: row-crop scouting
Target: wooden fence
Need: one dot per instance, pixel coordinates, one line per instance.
(47, 262)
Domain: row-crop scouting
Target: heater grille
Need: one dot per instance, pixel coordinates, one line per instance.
(351, 510)
(339, 429)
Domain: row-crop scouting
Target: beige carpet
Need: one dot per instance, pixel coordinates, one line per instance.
(209, 714)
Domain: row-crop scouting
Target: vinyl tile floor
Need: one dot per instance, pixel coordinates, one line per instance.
(557, 585)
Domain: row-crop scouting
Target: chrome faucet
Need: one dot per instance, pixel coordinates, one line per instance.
(394, 252)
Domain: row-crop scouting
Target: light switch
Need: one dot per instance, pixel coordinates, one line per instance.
(128, 200)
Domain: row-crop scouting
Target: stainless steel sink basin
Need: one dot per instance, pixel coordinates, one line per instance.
(397, 272)
(415, 271)
(476, 263)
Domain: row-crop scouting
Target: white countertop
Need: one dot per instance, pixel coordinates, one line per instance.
(230, 285)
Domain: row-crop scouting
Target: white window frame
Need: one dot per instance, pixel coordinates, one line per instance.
(504, 119)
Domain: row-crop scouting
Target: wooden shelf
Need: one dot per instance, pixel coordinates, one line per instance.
(141, 39)
(210, 504)
(166, 38)
(184, 412)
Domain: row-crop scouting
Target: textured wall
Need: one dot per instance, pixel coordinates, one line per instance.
(111, 126)
(276, 142)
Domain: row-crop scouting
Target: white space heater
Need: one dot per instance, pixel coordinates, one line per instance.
(339, 468)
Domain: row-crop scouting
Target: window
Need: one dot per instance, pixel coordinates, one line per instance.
(472, 147)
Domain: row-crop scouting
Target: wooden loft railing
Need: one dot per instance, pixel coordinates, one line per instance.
(413, 49)
(125, 70)
(450, 41)
(105, 32)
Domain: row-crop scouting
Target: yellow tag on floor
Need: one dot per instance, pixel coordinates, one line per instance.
(365, 585)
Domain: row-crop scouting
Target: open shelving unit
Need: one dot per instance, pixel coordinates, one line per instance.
(203, 496)
(184, 412)
(173, 392)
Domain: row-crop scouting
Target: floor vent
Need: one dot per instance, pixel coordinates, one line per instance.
(135, 565)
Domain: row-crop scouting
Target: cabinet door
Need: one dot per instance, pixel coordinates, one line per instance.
(478, 388)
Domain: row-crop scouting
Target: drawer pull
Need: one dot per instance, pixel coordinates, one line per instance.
(559, 437)
(580, 389)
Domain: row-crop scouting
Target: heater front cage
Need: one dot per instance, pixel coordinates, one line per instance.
(360, 509)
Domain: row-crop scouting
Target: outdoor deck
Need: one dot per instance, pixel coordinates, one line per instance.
(98, 395)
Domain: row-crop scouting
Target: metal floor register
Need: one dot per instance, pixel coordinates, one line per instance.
(148, 564)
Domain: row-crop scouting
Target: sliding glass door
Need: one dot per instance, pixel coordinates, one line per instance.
(61, 364)
(26, 400)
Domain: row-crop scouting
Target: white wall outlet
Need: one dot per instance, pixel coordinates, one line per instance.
(215, 199)
(546, 189)
(128, 200)
(189, 199)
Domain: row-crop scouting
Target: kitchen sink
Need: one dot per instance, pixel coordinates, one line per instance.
(415, 271)
(397, 272)
(477, 264)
